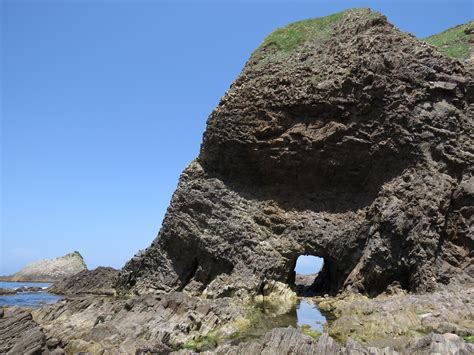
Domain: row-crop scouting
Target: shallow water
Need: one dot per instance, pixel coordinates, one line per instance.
(308, 314)
(265, 317)
(27, 299)
(4, 284)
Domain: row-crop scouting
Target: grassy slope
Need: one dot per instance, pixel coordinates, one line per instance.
(453, 42)
(286, 40)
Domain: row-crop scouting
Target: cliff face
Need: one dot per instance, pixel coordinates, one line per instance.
(342, 138)
(50, 270)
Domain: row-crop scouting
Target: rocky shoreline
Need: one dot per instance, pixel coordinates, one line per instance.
(352, 141)
(180, 324)
(23, 289)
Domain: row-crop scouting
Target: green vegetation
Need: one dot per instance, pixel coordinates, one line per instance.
(469, 339)
(291, 36)
(202, 343)
(454, 42)
(287, 39)
(306, 329)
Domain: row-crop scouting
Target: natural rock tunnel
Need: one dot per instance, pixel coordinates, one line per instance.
(348, 147)
(307, 277)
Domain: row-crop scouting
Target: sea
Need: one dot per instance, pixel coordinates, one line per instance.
(27, 299)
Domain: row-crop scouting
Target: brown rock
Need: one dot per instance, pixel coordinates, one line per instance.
(337, 146)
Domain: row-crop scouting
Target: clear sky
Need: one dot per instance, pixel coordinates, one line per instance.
(103, 103)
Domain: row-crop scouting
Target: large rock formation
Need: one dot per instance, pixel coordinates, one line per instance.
(342, 138)
(50, 270)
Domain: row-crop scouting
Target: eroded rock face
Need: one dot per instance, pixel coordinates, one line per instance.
(20, 334)
(50, 270)
(355, 145)
(145, 324)
(97, 282)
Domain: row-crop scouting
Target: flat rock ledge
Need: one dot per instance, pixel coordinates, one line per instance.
(291, 341)
(20, 334)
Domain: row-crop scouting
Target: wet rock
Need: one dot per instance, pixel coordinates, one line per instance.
(284, 341)
(393, 320)
(30, 289)
(291, 341)
(7, 291)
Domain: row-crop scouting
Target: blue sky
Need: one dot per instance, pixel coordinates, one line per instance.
(103, 103)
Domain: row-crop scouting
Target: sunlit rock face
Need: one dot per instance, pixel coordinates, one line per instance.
(342, 138)
(50, 270)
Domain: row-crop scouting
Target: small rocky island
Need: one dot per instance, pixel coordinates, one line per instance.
(50, 270)
(342, 138)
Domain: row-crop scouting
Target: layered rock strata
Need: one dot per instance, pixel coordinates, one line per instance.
(342, 138)
(96, 282)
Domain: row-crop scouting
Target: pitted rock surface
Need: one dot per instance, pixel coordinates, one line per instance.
(356, 146)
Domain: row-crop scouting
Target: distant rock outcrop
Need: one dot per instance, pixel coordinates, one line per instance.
(50, 270)
(342, 138)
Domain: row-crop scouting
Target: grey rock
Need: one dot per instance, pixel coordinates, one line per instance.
(92, 323)
(283, 341)
(19, 334)
(50, 270)
(52, 343)
(30, 289)
(441, 344)
(98, 281)
(7, 291)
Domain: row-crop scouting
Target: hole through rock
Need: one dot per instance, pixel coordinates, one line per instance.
(308, 275)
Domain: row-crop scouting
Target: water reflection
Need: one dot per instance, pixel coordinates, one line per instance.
(307, 313)
(267, 316)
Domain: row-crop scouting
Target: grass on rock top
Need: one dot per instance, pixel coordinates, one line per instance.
(289, 38)
(454, 42)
